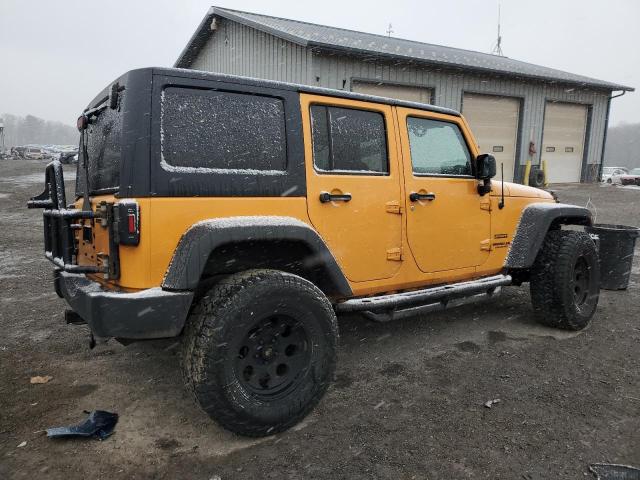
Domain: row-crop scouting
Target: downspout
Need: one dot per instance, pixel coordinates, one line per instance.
(606, 129)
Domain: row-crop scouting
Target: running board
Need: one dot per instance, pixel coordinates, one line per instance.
(428, 299)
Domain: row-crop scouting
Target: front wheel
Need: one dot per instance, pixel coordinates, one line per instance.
(565, 280)
(259, 351)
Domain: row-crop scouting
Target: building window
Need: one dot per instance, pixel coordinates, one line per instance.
(550, 149)
(222, 131)
(498, 148)
(437, 148)
(348, 140)
(568, 149)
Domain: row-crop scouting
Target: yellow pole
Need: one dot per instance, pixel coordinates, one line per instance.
(544, 170)
(527, 172)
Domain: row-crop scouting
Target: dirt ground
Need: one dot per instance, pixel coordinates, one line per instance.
(407, 401)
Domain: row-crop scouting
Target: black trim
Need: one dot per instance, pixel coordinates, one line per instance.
(147, 314)
(196, 245)
(536, 220)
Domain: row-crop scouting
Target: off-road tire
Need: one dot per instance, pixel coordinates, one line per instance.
(565, 280)
(221, 332)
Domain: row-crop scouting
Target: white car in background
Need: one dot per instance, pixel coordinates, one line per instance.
(612, 174)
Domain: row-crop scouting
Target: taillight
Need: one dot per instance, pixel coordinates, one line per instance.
(128, 222)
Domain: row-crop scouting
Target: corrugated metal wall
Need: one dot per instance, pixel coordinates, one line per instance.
(240, 50)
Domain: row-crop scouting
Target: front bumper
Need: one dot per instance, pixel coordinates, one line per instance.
(147, 314)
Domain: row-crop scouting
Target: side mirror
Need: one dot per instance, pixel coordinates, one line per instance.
(485, 167)
(485, 171)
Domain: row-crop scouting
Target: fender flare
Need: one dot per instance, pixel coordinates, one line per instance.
(536, 220)
(197, 243)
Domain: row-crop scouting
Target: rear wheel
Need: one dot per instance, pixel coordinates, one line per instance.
(565, 280)
(259, 351)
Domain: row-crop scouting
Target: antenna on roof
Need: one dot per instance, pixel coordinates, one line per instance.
(497, 49)
(389, 30)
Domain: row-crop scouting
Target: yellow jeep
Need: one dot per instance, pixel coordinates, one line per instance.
(244, 214)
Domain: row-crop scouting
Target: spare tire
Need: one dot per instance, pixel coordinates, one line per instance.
(536, 177)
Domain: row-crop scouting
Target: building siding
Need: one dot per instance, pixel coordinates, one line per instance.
(239, 50)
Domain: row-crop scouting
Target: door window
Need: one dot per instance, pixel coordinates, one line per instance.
(437, 148)
(347, 140)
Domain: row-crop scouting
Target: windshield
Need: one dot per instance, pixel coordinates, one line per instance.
(104, 150)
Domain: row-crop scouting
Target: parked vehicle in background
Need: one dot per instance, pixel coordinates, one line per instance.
(609, 172)
(631, 178)
(68, 157)
(33, 153)
(243, 215)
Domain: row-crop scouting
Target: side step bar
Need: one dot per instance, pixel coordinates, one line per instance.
(398, 305)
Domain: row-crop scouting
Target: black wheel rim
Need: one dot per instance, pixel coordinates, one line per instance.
(273, 356)
(581, 281)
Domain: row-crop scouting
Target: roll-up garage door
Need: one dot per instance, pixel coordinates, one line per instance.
(401, 92)
(494, 123)
(563, 141)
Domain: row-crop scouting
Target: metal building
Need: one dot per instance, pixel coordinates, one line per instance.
(520, 112)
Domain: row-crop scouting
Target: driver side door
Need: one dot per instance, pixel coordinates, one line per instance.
(448, 222)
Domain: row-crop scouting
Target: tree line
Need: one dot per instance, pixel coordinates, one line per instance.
(623, 146)
(33, 130)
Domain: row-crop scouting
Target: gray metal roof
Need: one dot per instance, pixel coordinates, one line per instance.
(349, 41)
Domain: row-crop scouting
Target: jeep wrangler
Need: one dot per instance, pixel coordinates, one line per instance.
(243, 215)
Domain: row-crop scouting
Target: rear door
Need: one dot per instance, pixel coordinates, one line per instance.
(353, 183)
(448, 222)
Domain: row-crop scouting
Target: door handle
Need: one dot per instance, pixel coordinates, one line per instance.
(326, 197)
(415, 196)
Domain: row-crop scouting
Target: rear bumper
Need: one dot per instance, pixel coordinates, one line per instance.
(152, 313)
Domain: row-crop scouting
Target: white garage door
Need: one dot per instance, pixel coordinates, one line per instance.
(563, 141)
(494, 123)
(401, 92)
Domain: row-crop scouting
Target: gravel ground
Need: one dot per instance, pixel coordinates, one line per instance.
(407, 401)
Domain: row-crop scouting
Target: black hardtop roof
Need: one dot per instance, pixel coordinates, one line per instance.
(218, 77)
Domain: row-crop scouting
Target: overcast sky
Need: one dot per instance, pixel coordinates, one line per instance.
(55, 56)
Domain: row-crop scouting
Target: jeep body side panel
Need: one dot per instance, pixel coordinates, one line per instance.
(535, 222)
(180, 181)
(197, 244)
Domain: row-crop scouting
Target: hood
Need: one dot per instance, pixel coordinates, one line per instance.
(518, 190)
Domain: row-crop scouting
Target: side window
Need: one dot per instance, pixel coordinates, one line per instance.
(348, 140)
(437, 148)
(222, 130)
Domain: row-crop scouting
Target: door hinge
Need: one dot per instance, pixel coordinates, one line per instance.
(393, 207)
(485, 204)
(394, 254)
(485, 245)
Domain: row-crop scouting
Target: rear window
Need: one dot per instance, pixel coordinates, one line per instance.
(104, 144)
(213, 130)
